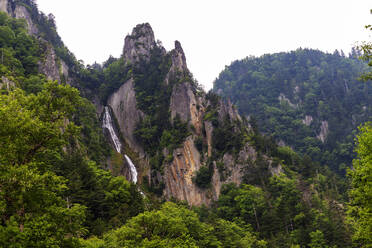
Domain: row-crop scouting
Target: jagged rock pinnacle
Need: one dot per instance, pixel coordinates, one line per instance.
(178, 58)
(139, 43)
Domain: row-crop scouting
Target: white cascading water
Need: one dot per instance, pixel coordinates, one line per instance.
(107, 123)
(132, 168)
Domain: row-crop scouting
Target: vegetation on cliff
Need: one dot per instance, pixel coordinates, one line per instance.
(55, 190)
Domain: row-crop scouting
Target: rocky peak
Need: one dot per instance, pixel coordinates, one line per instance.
(204, 116)
(139, 43)
(178, 58)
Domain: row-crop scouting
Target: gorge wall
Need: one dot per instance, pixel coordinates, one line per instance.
(200, 112)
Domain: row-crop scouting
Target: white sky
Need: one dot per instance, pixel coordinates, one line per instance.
(213, 33)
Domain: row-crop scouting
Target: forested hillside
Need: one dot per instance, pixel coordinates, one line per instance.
(207, 177)
(306, 99)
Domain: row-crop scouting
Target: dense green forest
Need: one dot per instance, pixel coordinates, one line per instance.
(56, 192)
(295, 96)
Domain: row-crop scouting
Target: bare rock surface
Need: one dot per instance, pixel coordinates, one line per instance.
(323, 131)
(124, 105)
(139, 43)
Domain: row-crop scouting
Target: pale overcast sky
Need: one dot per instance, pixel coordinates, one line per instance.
(213, 33)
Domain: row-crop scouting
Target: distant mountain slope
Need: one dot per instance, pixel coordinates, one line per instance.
(307, 99)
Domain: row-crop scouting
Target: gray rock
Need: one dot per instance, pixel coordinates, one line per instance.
(308, 119)
(323, 131)
(124, 105)
(4, 6)
(21, 12)
(49, 66)
(139, 43)
(6, 83)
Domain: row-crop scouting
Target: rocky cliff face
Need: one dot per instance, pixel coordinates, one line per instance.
(124, 105)
(139, 44)
(323, 131)
(51, 65)
(4, 6)
(20, 12)
(193, 107)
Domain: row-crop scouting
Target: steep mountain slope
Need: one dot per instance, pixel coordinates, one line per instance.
(161, 113)
(165, 139)
(56, 63)
(306, 99)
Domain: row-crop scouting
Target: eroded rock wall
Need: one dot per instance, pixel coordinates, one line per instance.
(124, 105)
(190, 104)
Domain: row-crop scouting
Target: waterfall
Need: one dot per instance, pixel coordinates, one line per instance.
(107, 123)
(132, 168)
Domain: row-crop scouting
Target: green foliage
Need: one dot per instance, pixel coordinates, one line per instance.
(39, 207)
(360, 205)
(199, 144)
(309, 83)
(152, 94)
(54, 192)
(360, 208)
(177, 226)
(153, 98)
(226, 138)
(110, 201)
(33, 212)
(203, 177)
(91, 132)
(104, 80)
(211, 113)
(317, 240)
(280, 214)
(366, 49)
(19, 52)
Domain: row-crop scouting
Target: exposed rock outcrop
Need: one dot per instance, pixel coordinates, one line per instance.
(4, 6)
(209, 132)
(187, 106)
(178, 175)
(283, 98)
(139, 43)
(49, 65)
(178, 59)
(53, 67)
(191, 105)
(124, 105)
(229, 110)
(21, 12)
(6, 83)
(308, 120)
(323, 131)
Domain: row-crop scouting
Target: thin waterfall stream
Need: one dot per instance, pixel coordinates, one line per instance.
(108, 124)
(133, 171)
